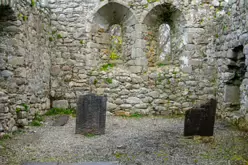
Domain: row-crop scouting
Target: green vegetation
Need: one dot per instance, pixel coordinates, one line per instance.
(37, 121)
(114, 56)
(145, 6)
(25, 108)
(133, 115)
(81, 42)
(136, 115)
(119, 155)
(60, 111)
(33, 3)
(108, 80)
(89, 135)
(95, 81)
(50, 39)
(59, 36)
(55, 36)
(6, 136)
(106, 67)
(25, 18)
(20, 16)
(152, 1)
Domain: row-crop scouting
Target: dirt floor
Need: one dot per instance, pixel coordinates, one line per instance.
(131, 141)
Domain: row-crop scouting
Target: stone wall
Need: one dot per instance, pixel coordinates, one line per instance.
(150, 57)
(25, 63)
(231, 52)
(133, 78)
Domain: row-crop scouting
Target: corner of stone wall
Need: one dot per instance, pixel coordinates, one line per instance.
(25, 64)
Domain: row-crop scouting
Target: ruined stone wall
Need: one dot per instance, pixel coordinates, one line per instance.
(24, 63)
(113, 48)
(231, 51)
(83, 58)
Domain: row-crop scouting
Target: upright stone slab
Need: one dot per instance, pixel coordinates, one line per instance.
(91, 114)
(200, 120)
(208, 118)
(192, 121)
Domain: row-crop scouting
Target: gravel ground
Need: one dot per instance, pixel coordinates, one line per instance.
(131, 141)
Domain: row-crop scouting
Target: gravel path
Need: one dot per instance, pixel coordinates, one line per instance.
(131, 141)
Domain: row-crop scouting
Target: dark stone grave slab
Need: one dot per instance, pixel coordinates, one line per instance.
(91, 114)
(61, 120)
(192, 121)
(200, 120)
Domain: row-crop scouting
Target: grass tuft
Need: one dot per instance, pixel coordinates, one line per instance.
(37, 121)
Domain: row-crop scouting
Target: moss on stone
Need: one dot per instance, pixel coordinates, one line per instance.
(152, 1)
(50, 39)
(114, 56)
(242, 124)
(59, 36)
(25, 18)
(108, 80)
(81, 42)
(106, 67)
(33, 3)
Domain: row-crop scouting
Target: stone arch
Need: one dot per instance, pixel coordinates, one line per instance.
(114, 13)
(168, 14)
(107, 15)
(161, 13)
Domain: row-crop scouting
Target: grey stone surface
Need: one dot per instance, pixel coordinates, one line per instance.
(6, 73)
(91, 114)
(232, 94)
(61, 120)
(74, 55)
(60, 104)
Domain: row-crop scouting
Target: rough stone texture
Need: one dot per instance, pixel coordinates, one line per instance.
(230, 51)
(60, 104)
(126, 65)
(61, 120)
(42, 63)
(25, 63)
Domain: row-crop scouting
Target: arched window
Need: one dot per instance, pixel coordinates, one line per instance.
(164, 42)
(116, 42)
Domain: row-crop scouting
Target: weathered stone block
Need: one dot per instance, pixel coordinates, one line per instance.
(231, 94)
(133, 100)
(135, 69)
(60, 104)
(111, 106)
(61, 120)
(91, 114)
(16, 61)
(6, 73)
(1, 128)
